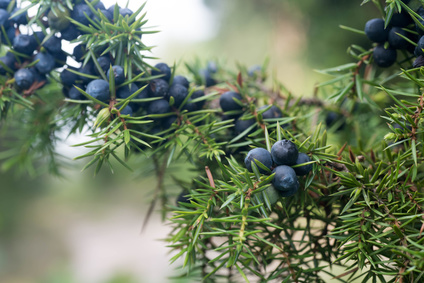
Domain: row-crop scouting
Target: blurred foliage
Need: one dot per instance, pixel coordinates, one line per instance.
(315, 20)
(16, 195)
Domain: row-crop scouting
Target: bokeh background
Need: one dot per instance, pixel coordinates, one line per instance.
(82, 229)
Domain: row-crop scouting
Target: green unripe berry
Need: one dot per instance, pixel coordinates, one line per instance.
(390, 137)
(58, 19)
(272, 194)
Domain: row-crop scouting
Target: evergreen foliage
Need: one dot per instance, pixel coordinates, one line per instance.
(360, 203)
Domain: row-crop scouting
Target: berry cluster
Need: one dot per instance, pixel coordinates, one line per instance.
(58, 18)
(171, 91)
(31, 57)
(10, 20)
(154, 87)
(172, 94)
(398, 34)
(231, 103)
(86, 76)
(207, 74)
(28, 60)
(159, 95)
(284, 154)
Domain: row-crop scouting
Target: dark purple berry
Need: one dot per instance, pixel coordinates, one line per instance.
(118, 74)
(25, 44)
(24, 78)
(68, 78)
(212, 67)
(255, 71)
(397, 41)
(20, 19)
(104, 62)
(418, 27)
(272, 113)
(9, 60)
(305, 169)
(53, 45)
(127, 110)
(125, 12)
(227, 101)
(258, 154)
(242, 125)
(142, 95)
(160, 106)
(4, 18)
(99, 89)
(107, 14)
(86, 71)
(99, 6)
(79, 52)
(284, 152)
(10, 33)
(208, 78)
(285, 180)
(4, 4)
(383, 57)
(181, 80)
(183, 198)
(70, 33)
(39, 37)
(45, 64)
(111, 9)
(162, 69)
(375, 31)
(60, 59)
(38, 77)
(420, 45)
(194, 106)
(126, 91)
(168, 121)
(81, 13)
(418, 62)
(158, 88)
(178, 92)
(401, 19)
(75, 94)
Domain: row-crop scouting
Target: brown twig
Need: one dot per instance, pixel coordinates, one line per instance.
(416, 117)
(210, 177)
(160, 174)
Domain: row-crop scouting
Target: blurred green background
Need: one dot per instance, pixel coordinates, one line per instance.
(87, 230)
